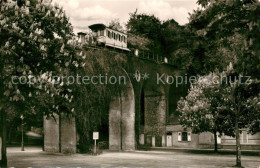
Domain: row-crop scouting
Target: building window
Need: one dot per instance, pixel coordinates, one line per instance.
(184, 136)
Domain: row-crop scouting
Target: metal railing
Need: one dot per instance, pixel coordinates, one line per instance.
(142, 54)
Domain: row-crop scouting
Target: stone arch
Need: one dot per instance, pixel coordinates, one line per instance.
(122, 118)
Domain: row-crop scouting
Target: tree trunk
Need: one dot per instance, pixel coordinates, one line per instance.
(3, 161)
(215, 141)
(238, 152)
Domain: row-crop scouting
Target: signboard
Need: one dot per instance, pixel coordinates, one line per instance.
(95, 135)
(0, 148)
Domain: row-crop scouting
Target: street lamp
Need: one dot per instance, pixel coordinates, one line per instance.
(22, 145)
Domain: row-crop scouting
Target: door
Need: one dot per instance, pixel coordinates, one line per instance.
(169, 140)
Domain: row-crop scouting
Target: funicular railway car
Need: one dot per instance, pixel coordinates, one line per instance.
(104, 36)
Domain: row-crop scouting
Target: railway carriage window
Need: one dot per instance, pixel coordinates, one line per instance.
(102, 33)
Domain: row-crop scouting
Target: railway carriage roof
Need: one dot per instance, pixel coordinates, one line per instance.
(100, 26)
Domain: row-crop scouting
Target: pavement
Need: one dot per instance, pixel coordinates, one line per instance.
(35, 157)
(206, 151)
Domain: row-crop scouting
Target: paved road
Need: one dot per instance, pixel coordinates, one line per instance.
(34, 157)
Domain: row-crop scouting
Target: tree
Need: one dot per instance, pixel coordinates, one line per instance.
(199, 110)
(148, 26)
(173, 36)
(163, 38)
(246, 114)
(219, 103)
(229, 31)
(36, 45)
(115, 24)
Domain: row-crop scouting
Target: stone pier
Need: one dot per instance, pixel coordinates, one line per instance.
(122, 122)
(59, 134)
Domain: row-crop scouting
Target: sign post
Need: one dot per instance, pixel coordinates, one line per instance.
(95, 137)
(0, 148)
(22, 144)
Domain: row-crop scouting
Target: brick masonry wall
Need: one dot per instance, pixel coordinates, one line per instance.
(155, 113)
(244, 139)
(59, 133)
(51, 134)
(114, 125)
(68, 135)
(122, 122)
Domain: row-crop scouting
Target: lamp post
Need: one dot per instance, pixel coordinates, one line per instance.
(22, 144)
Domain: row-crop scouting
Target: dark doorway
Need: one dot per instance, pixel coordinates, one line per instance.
(142, 109)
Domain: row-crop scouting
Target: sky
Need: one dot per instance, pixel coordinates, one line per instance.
(83, 13)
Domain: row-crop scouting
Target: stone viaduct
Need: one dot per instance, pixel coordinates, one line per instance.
(141, 110)
(144, 114)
